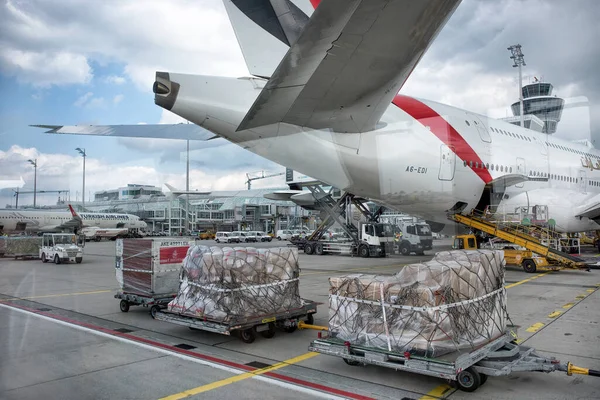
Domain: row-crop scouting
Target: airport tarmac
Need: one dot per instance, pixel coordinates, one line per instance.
(63, 336)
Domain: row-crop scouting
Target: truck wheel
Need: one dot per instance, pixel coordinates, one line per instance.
(78, 260)
(124, 305)
(248, 335)
(363, 251)
(529, 266)
(351, 362)
(468, 380)
(404, 249)
(44, 259)
(319, 249)
(308, 248)
(56, 259)
(153, 310)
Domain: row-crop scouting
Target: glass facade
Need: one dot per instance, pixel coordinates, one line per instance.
(548, 109)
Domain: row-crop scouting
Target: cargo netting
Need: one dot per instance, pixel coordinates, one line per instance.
(457, 301)
(20, 246)
(235, 284)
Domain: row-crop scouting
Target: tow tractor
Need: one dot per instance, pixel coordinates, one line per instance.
(62, 247)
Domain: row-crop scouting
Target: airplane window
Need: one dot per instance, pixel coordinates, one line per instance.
(510, 170)
(465, 163)
(468, 124)
(501, 168)
(476, 123)
(471, 164)
(487, 166)
(476, 164)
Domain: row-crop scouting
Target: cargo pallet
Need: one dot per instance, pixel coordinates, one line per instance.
(247, 329)
(466, 370)
(155, 303)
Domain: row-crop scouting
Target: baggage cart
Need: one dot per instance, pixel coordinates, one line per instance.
(247, 328)
(466, 370)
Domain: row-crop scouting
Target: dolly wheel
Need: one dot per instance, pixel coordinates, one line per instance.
(468, 380)
(124, 305)
(310, 319)
(248, 335)
(153, 310)
(483, 379)
(529, 266)
(291, 328)
(269, 333)
(351, 362)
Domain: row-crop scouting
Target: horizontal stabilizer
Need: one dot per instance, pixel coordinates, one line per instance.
(349, 62)
(157, 131)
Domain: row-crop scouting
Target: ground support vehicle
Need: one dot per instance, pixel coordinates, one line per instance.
(369, 239)
(61, 247)
(247, 328)
(416, 238)
(466, 370)
(131, 299)
(528, 260)
(523, 236)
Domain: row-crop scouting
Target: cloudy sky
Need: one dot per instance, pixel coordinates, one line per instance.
(93, 62)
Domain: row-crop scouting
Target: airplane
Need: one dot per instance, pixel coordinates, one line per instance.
(323, 99)
(21, 221)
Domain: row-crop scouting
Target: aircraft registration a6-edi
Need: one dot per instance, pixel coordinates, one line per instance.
(323, 100)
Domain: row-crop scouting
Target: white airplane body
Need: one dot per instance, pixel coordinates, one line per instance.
(14, 221)
(330, 110)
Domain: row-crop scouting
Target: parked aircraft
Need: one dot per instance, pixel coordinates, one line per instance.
(31, 221)
(323, 100)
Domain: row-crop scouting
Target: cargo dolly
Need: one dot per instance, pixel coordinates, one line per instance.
(466, 370)
(247, 328)
(156, 303)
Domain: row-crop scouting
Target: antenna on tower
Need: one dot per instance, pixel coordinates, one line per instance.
(519, 61)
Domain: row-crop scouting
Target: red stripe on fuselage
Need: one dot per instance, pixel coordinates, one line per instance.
(444, 131)
(315, 3)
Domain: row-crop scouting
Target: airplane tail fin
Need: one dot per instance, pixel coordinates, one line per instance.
(265, 29)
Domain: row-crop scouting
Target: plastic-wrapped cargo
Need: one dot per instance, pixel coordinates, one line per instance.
(456, 301)
(150, 268)
(20, 246)
(233, 284)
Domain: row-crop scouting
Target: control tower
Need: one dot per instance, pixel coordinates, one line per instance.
(539, 102)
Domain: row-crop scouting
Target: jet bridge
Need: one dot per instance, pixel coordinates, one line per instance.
(520, 235)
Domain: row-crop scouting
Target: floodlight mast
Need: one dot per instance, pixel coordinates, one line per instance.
(519, 61)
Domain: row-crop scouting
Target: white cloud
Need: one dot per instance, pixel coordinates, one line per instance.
(167, 117)
(116, 80)
(144, 36)
(45, 68)
(83, 99)
(63, 171)
(96, 102)
(118, 98)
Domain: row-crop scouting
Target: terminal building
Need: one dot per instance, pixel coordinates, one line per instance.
(217, 210)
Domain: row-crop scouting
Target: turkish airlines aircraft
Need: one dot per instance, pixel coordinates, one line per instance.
(323, 101)
(16, 221)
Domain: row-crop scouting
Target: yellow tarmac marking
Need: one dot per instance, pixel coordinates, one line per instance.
(581, 296)
(436, 393)
(568, 305)
(535, 327)
(353, 269)
(240, 377)
(525, 280)
(554, 314)
(58, 295)
(591, 290)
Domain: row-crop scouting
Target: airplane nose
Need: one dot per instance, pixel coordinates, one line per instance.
(165, 91)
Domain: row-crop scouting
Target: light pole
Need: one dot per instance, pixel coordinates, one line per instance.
(82, 152)
(519, 61)
(34, 163)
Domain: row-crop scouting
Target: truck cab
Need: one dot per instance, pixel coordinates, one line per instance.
(375, 239)
(61, 247)
(414, 237)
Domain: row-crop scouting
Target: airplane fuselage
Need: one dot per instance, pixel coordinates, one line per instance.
(423, 158)
(56, 221)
